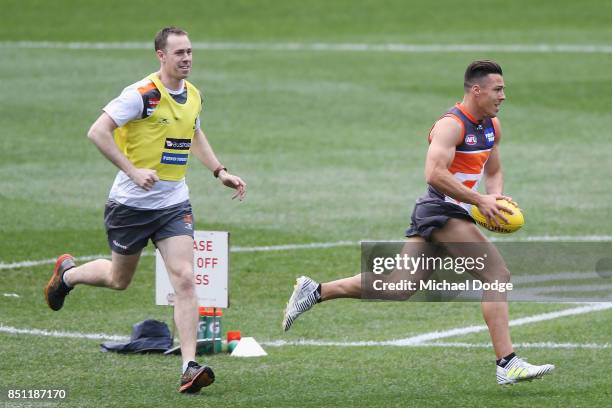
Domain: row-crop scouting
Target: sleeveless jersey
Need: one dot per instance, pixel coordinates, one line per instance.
(162, 141)
(472, 151)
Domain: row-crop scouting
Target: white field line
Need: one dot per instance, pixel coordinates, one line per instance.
(26, 264)
(544, 345)
(555, 238)
(560, 276)
(427, 338)
(516, 322)
(322, 47)
(62, 334)
(289, 247)
(422, 340)
(318, 245)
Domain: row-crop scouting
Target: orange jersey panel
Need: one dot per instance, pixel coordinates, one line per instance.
(469, 162)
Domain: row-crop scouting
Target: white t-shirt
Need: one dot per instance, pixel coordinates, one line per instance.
(129, 105)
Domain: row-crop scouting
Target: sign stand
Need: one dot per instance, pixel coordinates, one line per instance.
(173, 330)
(211, 278)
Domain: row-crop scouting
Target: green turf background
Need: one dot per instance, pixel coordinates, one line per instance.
(332, 145)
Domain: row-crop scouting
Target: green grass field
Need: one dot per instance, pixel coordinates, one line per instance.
(332, 144)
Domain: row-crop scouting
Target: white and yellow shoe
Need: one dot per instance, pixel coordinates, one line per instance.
(518, 370)
(304, 297)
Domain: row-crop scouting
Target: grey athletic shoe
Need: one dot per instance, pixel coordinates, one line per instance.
(304, 297)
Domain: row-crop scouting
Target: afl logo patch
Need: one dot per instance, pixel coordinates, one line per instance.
(470, 140)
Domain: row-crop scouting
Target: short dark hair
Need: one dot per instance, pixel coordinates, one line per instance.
(161, 38)
(478, 70)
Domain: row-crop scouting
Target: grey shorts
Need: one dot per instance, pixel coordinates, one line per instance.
(431, 214)
(129, 229)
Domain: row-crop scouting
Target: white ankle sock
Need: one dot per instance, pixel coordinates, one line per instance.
(64, 280)
(185, 364)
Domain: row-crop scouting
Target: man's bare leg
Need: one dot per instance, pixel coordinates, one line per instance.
(114, 274)
(305, 294)
(342, 288)
(351, 287)
(177, 253)
(495, 313)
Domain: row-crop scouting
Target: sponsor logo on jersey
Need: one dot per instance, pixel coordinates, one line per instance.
(178, 144)
(151, 105)
(174, 158)
(470, 140)
(490, 135)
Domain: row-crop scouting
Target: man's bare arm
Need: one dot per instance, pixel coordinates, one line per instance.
(444, 137)
(101, 134)
(204, 152)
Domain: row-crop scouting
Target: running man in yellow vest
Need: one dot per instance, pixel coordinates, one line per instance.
(148, 132)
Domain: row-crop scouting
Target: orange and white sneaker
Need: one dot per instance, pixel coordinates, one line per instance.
(56, 290)
(196, 377)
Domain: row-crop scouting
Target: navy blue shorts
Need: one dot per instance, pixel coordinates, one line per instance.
(431, 214)
(129, 229)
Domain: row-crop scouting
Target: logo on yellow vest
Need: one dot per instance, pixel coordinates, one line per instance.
(178, 144)
(174, 158)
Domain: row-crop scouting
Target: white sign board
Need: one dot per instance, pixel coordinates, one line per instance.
(210, 271)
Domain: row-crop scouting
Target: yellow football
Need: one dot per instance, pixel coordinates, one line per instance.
(515, 220)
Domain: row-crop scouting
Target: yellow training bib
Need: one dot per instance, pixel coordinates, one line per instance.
(162, 141)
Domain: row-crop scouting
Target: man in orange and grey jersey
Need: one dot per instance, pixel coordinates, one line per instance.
(475, 142)
(148, 132)
(464, 147)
